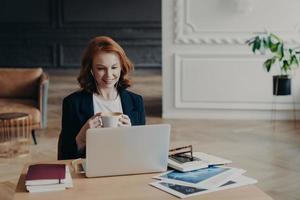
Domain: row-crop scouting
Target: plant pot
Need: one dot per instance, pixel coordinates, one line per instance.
(281, 85)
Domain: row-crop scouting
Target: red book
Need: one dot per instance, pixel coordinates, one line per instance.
(41, 174)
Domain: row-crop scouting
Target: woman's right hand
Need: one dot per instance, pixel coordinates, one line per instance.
(94, 122)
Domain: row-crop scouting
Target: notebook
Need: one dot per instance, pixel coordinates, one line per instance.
(127, 150)
(48, 177)
(43, 174)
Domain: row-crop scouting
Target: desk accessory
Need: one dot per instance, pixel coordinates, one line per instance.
(48, 177)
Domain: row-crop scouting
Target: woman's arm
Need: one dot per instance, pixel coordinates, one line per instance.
(93, 122)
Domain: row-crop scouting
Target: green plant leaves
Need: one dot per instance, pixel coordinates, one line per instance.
(276, 48)
(285, 66)
(255, 43)
(269, 62)
(280, 51)
(294, 61)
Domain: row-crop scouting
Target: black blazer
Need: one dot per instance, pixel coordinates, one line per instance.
(78, 108)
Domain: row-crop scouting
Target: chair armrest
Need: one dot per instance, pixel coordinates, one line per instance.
(43, 98)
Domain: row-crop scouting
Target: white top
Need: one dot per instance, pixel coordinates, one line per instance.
(102, 105)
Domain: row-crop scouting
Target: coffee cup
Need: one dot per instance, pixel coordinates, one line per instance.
(110, 119)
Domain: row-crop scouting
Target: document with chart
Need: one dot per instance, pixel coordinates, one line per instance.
(183, 191)
(211, 177)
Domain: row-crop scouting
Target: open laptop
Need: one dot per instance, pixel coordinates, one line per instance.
(127, 150)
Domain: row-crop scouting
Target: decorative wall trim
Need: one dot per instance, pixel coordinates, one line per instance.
(188, 33)
(143, 55)
(55, 32)
(222, 114)
(33, 19)
(180, 102)
(43, 55)
(63, 23)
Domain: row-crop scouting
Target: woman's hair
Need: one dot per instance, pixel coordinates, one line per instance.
(105, 44)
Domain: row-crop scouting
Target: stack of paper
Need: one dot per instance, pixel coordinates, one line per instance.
(48, 177)
(209, 176)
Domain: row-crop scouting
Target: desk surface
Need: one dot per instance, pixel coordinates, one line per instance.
(127, 187)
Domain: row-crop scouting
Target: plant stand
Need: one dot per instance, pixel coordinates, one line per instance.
(274, 110)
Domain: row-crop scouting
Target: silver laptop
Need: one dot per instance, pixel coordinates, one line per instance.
(127, 150)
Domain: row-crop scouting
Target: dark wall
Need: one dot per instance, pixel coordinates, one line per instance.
(53, 33)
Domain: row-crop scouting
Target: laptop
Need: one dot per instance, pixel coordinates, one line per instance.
(127, 150)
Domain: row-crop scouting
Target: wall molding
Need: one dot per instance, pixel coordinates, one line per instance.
(186, 32)
(28, 55)
(64, 23)
(67, 26)
(143, 54)
(233, 115)
(279, 103)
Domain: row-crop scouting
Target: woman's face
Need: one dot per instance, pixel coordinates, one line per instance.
(106, 69)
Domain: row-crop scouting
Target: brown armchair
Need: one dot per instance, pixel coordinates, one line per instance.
(25, 90)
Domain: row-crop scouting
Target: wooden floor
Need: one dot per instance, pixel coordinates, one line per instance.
(269, 152)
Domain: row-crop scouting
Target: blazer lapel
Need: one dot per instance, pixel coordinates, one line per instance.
(129, 108)
(86, 107)
(126, 102)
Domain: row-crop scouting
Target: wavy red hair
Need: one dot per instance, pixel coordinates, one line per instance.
(96, 45)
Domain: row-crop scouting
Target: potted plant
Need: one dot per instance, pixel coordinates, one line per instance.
(286, 58)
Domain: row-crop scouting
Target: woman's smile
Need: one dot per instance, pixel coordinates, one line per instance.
(109, 81)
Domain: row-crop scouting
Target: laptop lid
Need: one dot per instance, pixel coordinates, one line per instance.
(127, 150)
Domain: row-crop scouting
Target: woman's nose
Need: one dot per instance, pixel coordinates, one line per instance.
(109, 73)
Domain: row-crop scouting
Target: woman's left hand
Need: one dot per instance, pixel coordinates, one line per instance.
(124, 120)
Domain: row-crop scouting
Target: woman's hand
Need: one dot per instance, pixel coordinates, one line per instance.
(124, 120)
(94, 122)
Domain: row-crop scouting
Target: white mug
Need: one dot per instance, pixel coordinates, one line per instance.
(110, 119)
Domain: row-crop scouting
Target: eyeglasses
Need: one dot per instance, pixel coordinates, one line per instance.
(183, 152)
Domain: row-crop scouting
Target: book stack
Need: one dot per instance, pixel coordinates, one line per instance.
(48, 177)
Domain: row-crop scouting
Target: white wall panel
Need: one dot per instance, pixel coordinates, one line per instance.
(201, 82)
(208, 70)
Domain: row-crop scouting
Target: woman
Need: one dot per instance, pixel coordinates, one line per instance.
(103, 80)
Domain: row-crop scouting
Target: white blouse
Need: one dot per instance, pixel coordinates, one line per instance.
(102, 105)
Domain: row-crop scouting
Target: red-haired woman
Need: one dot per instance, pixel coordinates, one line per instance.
(103, 80)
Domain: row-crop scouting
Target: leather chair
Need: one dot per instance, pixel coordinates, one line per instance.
(25, 90)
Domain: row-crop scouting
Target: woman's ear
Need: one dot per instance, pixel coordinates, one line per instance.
(92, 73)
